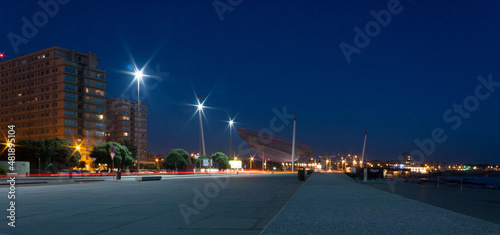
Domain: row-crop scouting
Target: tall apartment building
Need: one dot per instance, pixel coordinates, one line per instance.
(55, 92)
(121, 123)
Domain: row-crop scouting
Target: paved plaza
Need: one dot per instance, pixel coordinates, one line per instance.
(233, 204)
(336, 204)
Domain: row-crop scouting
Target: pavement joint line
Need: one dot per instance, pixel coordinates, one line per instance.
(98, 211)
(282, 207)
(121, 225)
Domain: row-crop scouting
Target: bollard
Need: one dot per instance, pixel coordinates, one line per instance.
(302, 174)
(365, 174)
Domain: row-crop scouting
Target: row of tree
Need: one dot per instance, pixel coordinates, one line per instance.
(180, 158)
(56, 154)
(48, 154)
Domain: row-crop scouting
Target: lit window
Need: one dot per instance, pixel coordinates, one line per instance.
(99, 92)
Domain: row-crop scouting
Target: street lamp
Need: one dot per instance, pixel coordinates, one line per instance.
(138, 75)
(200, 110)
(202, 144)
(231, 123)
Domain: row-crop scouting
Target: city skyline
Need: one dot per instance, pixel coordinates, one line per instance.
(405, 85)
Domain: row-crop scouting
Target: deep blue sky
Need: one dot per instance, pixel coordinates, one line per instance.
(271, 54)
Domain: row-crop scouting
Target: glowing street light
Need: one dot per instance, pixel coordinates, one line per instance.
(200, 110)
(231, 123)
(138, 74)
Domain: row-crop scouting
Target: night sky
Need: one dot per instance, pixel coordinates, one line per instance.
(267, 55)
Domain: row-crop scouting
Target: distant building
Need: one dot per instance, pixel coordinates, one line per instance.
(408, 163)
(54, 92)
(406, 157)
(121, 123)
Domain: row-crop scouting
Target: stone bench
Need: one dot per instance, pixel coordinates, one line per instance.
(147, 178)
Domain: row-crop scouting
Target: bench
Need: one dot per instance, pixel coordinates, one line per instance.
(147, 178)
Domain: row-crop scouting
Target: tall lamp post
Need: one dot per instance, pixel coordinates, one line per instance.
(231, 123)
(200, 109)
(138, 76)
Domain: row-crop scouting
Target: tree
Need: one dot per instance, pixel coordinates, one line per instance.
(54, 154)
(177, 159)
(61, 154)
(131, 147)
(123, 157)
(82, 164)
(221, 159)
(199, 162)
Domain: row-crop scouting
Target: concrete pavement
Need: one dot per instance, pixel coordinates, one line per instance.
(336, 204)
(476, 202)
(227, 204)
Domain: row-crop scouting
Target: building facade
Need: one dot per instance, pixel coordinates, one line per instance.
(55, 92)
(121, 123)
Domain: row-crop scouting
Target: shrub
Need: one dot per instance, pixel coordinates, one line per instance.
(3, 171)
